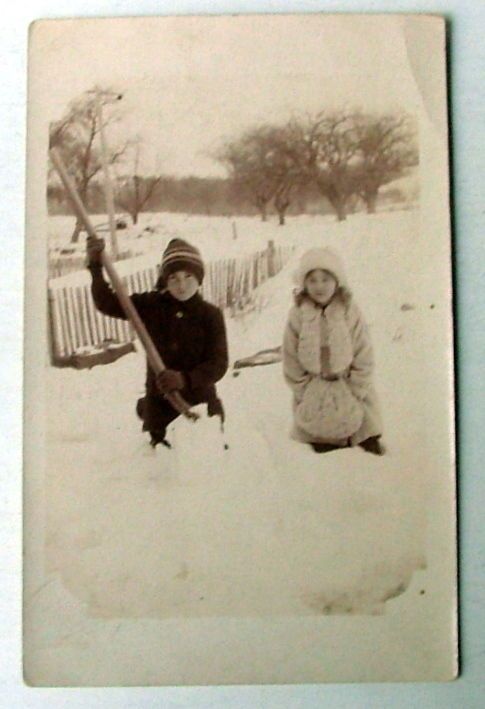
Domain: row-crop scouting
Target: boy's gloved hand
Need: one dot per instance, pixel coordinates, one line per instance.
(94, 249)
(170, 380)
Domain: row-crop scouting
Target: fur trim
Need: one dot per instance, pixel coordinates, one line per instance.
(342, 293)
(323, 259)
(339, 339)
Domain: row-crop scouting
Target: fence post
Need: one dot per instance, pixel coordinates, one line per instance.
(271, 256)
(51, 334)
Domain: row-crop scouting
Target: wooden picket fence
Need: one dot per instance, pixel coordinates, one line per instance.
(77, 328)
(62, 265)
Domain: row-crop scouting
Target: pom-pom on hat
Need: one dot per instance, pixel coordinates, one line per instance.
(324, 259)
(181, 256)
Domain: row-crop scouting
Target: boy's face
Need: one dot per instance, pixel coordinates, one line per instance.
(182, 285)
(320, 286)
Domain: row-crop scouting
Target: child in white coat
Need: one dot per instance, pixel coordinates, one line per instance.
(328, 360)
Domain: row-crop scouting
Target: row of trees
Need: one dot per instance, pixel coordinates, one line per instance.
(345, 156)
(137, 193)
(340, 158)
(210, 196)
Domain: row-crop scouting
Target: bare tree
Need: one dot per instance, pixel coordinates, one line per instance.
(265, 165)
(387, 147)
(326, 145)
(284, 162)
(75, 135)
(249, 161)
(134, 191)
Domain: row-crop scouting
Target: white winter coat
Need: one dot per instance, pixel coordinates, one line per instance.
(359, 362)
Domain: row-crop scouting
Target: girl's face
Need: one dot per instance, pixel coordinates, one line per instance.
(182, 285)
(320, 286)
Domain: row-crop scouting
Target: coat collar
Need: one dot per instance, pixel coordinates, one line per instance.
(191, 306)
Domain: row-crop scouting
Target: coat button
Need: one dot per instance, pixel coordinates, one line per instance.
(179, 314)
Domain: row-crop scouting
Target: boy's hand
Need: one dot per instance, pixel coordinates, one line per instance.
(170, 380)
(94, 249)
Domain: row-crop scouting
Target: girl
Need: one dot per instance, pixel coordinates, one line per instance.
(328, 361)
(188, 332)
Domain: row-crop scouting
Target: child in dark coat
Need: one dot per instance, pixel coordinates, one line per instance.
(188, 332)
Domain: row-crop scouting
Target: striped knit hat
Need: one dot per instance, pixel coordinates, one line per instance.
(181, 256)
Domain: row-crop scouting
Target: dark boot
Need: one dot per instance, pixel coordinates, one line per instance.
(157, 437)
(373, 445)
(324, 447)
(215, 408)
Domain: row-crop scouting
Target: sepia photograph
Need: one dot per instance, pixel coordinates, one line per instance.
(239, 417)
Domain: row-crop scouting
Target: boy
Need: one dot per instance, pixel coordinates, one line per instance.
(188, 332)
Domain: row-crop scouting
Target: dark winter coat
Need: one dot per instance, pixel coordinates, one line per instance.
(189, 335)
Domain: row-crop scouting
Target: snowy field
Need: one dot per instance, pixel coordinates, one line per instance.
(216, 237)
(267, 527)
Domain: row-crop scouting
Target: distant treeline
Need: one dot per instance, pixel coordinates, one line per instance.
(197, 195)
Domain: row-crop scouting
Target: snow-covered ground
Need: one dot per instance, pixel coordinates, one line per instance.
(216, 237)
(266, 527)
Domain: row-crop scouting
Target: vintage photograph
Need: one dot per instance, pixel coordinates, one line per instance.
(239, 373)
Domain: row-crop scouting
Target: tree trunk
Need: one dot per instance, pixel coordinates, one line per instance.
(134, 217)
(336, 199)
(281, 206)
(371, 201)
(281, 215)
(261, 204)
(78, 227)
(339, 206)
(301, 205)
(77, 230)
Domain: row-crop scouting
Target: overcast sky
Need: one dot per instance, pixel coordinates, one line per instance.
(190, 82)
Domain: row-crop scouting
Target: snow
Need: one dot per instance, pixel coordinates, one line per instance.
(214, 236)
(266, 527)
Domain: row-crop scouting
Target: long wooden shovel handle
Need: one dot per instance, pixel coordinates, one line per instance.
(156, 363)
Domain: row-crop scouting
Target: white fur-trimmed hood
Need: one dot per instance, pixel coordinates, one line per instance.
(324, 259)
